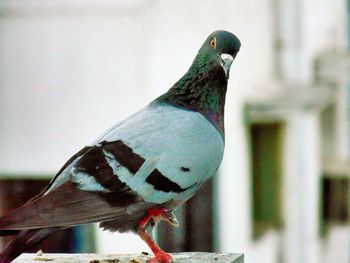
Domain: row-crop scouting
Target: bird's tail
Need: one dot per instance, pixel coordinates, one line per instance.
(25, 240)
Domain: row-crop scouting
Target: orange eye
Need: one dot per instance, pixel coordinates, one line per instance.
(213, 43)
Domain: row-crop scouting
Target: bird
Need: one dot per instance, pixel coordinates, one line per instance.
(141, 169)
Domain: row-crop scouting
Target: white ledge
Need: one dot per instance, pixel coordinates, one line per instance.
(200, 257)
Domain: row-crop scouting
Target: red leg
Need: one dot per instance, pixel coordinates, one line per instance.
(160, 255)
(156, 214)
(151, 213)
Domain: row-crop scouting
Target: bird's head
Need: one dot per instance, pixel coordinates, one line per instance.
(221, 47)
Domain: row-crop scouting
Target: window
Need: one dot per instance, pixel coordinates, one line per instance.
(14, 193)
(266, 169)
(335, 205)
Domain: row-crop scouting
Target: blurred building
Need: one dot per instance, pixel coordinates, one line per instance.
(70, 69)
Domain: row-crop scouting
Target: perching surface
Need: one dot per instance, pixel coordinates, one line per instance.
(201, 257)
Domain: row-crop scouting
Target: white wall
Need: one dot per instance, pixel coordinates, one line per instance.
(69, 70)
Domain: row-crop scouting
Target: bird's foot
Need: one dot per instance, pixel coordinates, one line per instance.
(158, 214)
(161, 257)
(153, 216)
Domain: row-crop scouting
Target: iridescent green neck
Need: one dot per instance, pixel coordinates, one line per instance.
(201, 89)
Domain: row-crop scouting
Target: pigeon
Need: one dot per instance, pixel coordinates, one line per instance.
(141, 169)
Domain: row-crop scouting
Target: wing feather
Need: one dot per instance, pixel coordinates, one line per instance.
(65, 206)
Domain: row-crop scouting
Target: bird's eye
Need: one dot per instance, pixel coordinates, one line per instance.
(213, 43)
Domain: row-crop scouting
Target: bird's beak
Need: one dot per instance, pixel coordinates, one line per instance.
(226, 61)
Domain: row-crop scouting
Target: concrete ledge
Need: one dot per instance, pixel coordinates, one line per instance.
(200, 257)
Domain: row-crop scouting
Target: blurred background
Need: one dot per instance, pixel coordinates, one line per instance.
(71, 69)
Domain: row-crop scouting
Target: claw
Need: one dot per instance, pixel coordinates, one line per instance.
(170, 217)
(161, 258)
